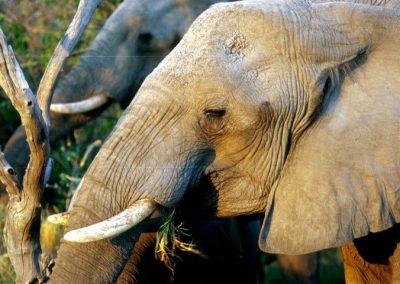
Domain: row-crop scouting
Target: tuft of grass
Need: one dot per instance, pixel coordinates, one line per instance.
(50, 236)
(7, 275)
(169, 241)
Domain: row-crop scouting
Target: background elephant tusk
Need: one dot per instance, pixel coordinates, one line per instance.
(113, 226)
(60, 219)
(81, 106)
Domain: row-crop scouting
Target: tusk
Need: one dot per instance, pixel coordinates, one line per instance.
(114, 226)
(60, 219)
(80, 107)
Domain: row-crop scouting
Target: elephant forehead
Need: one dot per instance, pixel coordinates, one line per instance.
(233, 36)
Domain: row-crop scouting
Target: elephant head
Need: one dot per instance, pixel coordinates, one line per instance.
(131, 44)
(280, 107)
(136, 37)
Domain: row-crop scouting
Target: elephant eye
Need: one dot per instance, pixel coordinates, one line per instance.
(215, 112)
(145, 42)
(145, 38)
(212, 123)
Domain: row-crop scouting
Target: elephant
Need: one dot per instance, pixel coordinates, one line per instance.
(281, 108)
(90, 88)
(131, 43)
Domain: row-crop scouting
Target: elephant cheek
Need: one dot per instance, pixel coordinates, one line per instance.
(238, 196)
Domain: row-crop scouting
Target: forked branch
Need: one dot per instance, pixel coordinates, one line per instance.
(24, 208)
(22, 228)
(13, 82)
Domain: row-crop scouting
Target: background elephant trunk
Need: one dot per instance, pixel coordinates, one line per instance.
(110, 64)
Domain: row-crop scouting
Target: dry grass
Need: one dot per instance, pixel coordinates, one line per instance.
(50, 236)
(169, 240)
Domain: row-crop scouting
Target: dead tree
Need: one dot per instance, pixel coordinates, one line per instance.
(22, 228)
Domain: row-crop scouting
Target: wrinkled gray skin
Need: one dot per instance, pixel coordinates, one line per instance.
(260, 102)
(135, 38)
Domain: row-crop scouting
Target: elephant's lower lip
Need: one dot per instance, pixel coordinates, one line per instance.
(161, 212)
(211, 172)
(157, 213)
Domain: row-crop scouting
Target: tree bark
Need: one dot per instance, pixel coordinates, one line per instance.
(22, 226)
(24, 208)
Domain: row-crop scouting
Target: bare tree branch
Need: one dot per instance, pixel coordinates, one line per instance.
(63, 50)
(13, 82)
(24, 207)
(8, 177)
(22, 228)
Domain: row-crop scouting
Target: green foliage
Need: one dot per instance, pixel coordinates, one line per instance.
(9, 120)
(330, 269)
(34, 27)
(7, 274)
(15, 34)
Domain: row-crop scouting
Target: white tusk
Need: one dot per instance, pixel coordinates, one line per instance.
(113, 226)
(80, 107)
(60, 219)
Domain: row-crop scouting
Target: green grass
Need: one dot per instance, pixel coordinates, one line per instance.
(7, 274)
(330, 269)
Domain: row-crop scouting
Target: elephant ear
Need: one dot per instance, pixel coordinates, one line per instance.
(342, 176)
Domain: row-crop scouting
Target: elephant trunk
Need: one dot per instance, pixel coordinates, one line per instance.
(138, 162)
(108, 67)
(138, 266)
(103, 261)
(108, 70)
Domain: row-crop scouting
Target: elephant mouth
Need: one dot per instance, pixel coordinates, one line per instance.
(127, 219)
(198, 202)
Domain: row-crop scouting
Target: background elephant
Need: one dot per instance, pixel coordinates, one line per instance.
(244, 116)
(131, 44)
